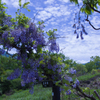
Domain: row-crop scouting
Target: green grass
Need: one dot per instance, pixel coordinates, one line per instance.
(40, 93)
(88, 76)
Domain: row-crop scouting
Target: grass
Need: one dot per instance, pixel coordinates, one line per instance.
(40, 93)
(87, 76)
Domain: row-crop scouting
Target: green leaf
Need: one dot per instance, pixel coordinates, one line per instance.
(4, 3)
(18, 10)
(28, 10)
(82, 9)
(99, 3)
(48, 33)
(42, 62)
(88, 10)
(39, 49)
(54, 29)
(39, 22)
(76, 1)
(25, 4)
(20, 3)
(26, 26)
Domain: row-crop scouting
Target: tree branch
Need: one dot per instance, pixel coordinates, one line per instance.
(83, 94)
(91, 24)
(97, 94)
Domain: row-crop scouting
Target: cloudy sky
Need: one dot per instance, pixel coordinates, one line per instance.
(62, 14)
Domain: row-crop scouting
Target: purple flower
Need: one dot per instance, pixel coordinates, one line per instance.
(28, 76)
(32, 28)
(68, 92)
(22, 83)
(72, 71)
(74, 86)
(61, 89)
(5, 35)
(23, 38)
(40, 40)
(7, 21)
(31, 89)
(2, 51)
(40, 79)
(49, 66)
(54, 46)
(16, 34)
(76, 83)
(15, 74)
(68, 78)
(66, 85)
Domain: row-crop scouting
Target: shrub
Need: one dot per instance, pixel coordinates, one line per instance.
(94, 71)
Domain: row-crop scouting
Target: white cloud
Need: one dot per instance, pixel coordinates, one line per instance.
(44, 15)
(15, 3)
(13, 51)
(96, 22)
(80, 50)
(49, 2)
(56, 11)
(65, 1)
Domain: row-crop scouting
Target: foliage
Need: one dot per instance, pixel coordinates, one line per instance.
(7, 65)
(88, 76)
(80, 69)
(94, 71)
(93, 64)
(88, 5)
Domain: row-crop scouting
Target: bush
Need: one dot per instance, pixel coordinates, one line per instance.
(94, 71)
(7, 85)
(16, 84)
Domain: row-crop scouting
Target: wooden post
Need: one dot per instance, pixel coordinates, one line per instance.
(55, 92)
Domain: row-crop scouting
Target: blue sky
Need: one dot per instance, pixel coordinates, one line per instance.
(61, 14)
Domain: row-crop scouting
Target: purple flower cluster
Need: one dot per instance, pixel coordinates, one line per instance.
(16, 34)
(28, 76)
(15, 74)
(68, 92)
(76, 83)
(72, 71)
(68, 78)
(2, 51)
(31, 89)
(53, 46)
(7, 21)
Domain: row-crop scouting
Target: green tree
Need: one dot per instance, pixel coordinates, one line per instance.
(80, 69)
(93, 64)
(70, 62)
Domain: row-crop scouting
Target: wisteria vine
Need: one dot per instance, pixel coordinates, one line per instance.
(29, 41)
